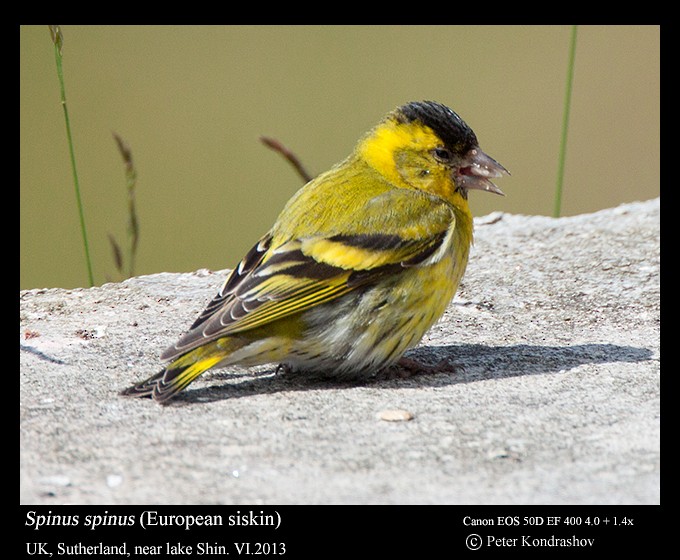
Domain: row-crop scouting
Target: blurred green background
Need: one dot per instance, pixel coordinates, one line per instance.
(192, 102)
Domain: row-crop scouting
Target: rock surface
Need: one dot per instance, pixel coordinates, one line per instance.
(556, 399)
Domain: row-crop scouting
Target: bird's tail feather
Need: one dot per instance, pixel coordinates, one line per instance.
(175, 377)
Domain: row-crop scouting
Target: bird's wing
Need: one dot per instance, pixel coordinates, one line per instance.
(277, 279)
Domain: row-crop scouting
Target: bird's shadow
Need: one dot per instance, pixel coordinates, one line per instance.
(470, 363)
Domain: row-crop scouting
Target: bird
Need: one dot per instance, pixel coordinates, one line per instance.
(359, 264)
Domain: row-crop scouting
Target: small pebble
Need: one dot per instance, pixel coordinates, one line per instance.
(56, 480)
(395, 415)
(114, 480)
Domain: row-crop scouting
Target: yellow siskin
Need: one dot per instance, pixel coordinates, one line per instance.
(360, 263)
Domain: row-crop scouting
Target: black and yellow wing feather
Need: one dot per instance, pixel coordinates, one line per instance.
(280, 277)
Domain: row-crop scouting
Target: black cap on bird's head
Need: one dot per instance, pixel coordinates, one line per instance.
(473, 166)
(453, 130)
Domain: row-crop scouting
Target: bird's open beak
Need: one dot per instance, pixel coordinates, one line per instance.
(476, 171)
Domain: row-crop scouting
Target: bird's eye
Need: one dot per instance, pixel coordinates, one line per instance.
(442, 154)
